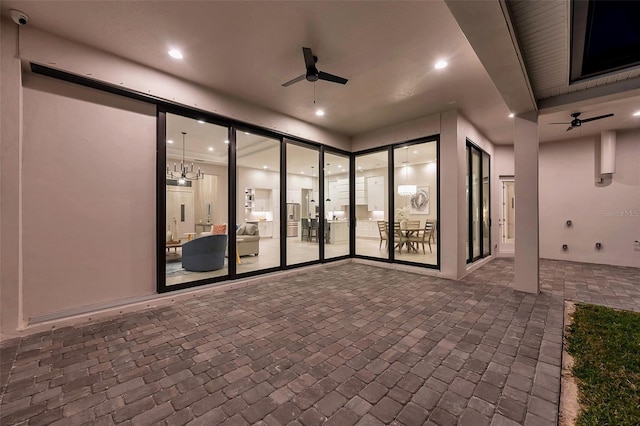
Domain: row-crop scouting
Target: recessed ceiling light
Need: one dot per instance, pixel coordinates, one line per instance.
(169, 141)
(441, 64)
(226, 141)
(637, 113)
(176, 54)
(512, 115)
(201, 121)
(210, 148)
(247, 133)
(319, 113)
(415, 152)
(301, 173)
(265, 167)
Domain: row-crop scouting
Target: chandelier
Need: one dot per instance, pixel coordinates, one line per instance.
(406, 190)
(186, 172)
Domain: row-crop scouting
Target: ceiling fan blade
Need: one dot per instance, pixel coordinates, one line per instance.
(295, 80)
(309, 60)
(596, 118)
(566, 122)
(570, 128)
(332, 78)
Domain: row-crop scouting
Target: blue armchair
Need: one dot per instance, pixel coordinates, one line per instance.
(204, 254)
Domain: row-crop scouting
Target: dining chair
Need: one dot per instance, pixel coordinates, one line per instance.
(400, 237)
(423, 237)
(414, 224)
(384, 233)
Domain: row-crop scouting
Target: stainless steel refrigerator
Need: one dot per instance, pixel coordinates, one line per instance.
(293, 219)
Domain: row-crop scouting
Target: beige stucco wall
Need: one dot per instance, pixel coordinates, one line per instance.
(88, 192)
(608, 213)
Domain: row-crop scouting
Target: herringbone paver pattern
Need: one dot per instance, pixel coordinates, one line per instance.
(352, 344)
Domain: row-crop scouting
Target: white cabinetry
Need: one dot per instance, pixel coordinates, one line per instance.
(294, 196)
(375, 193)
(266, 229)
(367, 229)
(361, 191)
(343, 192)
(262, 200)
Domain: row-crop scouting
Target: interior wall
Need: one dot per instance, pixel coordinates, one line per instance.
(88, 210)
(608, 213)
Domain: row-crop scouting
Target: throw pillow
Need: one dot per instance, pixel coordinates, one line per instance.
(251, 229)
(241, 230)
(219, 229)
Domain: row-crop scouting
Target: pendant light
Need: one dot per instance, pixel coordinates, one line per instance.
(406, 190)
(313, 184)
(186, 172)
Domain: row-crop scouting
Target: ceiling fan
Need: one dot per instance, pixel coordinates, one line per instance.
(312, 73)
(576, 122)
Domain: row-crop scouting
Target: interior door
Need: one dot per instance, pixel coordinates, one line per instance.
(508, 216)
(181, 208)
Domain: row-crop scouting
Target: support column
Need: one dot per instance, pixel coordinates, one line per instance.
(527, 250)
(10, 182)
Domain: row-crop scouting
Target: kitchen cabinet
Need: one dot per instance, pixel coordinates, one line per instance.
(343, 192)
(262, 200)
(375, 193)
(338, 231)
(294, 196)
(361, 191)
(367, 229)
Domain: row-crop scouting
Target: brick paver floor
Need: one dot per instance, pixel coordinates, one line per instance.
(351, 344)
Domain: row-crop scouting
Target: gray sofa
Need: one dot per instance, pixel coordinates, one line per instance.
(248, 239)
(205, 253)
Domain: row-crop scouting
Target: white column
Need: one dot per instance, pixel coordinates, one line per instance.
(527, 251)
(10, 182)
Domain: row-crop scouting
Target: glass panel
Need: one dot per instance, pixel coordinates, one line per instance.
(475, 202)
(415, 216)
(336, 205)
(468, 203)
(258, 202)
(372, 211)
(197, 181)
(486, 229)
(303, 204)
(509, 212)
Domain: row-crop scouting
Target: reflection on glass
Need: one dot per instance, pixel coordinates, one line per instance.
(303, 201)
(486, 230)
(336, 205)
(257, 225)
(372, 212)
(475, 202)
(196, 203)
(415, 197)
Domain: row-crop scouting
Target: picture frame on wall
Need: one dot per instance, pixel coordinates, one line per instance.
(419, 203)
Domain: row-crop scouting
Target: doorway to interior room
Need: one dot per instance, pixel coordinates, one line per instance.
(507, 220)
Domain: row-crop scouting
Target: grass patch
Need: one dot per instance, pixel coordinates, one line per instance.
(606, 346)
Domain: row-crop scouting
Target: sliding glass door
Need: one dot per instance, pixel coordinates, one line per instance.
(197, 167)
(478, 203)
(372, 207)
(336, 205)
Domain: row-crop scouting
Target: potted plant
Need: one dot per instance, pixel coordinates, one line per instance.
(402, 214)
